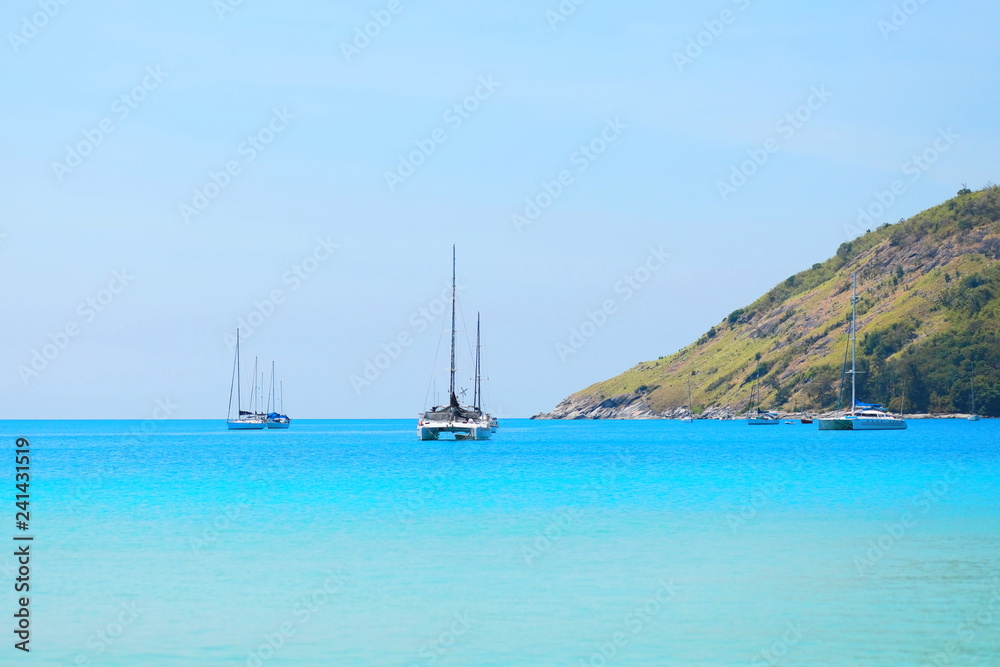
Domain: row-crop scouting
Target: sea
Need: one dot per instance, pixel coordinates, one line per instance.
(580, 543)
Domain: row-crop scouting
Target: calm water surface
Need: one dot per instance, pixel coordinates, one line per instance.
(577, 543)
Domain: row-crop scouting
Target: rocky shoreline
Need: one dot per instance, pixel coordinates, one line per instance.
(635, 406)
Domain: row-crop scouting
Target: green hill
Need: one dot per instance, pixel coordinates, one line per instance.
(928, 320)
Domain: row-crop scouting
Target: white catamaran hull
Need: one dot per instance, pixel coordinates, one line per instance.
(461, 431)
(888, 424)
(761, 422)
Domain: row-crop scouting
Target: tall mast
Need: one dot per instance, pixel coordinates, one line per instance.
(239, 410)
(253, 388)
(451, 385)
(854, 339)
(476, 391)
(271, 396)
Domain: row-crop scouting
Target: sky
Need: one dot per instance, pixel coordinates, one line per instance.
(616, 177)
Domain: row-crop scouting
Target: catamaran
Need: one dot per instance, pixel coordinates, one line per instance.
(245, 419)
(465, 422)
(861, 416)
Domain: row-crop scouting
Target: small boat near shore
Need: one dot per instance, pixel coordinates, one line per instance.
(759, 416)
(861, 416)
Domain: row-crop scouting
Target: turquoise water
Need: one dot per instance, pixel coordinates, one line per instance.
(555, 543)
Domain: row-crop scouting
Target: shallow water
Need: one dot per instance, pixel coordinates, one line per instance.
(555, 543)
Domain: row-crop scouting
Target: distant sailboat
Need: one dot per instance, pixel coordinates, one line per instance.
(973, 417)
(276, 418)
(690, 416)
(245, 420)
(759, 416)
(477, 392)
(861, 416)
(463, 421)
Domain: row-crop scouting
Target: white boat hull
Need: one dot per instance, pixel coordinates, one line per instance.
(973, 418)
(861, 424)
(238, 425)
(278, 424)
(460, 431)
(753, 421)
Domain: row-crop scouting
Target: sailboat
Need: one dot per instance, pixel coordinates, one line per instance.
(973, 417)
(477, 391)
(276, 419)
(759, 417)
(690, 416)
(245, 419)
(465, 422)
(861, 416)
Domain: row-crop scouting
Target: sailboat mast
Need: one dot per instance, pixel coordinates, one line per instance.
(239, 410)
(854, 340)
(272, 394)
(475, 389)
(451, 385)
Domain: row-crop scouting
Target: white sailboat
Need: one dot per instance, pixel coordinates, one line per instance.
(276, 418)
(861, 416)
(689, 418)
(759, 417)
(973, 417)
(245, 419)
(464, 422)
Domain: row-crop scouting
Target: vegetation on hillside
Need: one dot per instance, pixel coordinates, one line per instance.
(929, 324)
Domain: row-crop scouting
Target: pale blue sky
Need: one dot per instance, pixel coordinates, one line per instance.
(886, 96)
